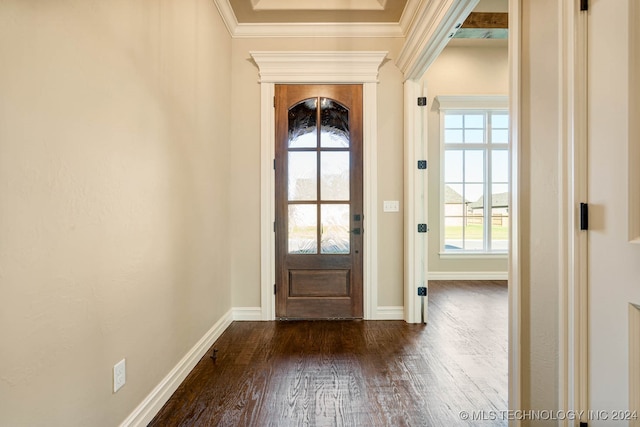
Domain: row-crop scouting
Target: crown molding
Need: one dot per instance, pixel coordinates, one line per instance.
(325, 66)
(319, 29)
(408, 15)
(434, 23)
(341, 29)
(227, 15)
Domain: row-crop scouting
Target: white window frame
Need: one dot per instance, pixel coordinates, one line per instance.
(467, 104)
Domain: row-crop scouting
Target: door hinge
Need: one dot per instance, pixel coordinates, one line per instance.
(584, 5)
(584, 216)
(274, 164)
(422, 228)
(274, 102)
(422, 291)
(422, 164)
(274, 288)
(274, 226)
(422, 101)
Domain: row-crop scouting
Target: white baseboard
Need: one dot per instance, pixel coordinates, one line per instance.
(247, 313)
(468, 275)
(390, 313)
(144, 413)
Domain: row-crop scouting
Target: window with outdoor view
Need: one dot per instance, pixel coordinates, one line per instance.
(475, 184)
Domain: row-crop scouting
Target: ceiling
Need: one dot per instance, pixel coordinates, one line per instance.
(333, 18)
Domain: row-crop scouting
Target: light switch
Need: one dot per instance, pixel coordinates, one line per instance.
(391, 206)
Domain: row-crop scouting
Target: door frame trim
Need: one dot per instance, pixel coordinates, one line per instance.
(416, 249)
(573, 378)
(318, 67)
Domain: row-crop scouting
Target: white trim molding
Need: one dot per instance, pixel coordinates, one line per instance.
(390, 313)
(247, 313)
(227, 15)
(317, 29)
(573, 322)
(358, 67)
(415, 202)
(468, 275)
(151, 405)
(515, 398)
(319, 67)
(434, 23)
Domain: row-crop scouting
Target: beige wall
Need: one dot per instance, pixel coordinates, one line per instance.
(465, 67)
(114, 139)
(245, 161)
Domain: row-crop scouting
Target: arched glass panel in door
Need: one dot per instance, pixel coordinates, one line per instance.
(319, 169)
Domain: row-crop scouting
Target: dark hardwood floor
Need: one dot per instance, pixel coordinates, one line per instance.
(356, 373)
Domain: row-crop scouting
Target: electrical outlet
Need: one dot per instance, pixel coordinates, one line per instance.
(119, 375)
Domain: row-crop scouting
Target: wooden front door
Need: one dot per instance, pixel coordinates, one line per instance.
(318, 201)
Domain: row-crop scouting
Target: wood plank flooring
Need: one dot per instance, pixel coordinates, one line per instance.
(356, 373)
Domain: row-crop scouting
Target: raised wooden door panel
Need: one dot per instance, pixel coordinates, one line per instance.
(319, 222)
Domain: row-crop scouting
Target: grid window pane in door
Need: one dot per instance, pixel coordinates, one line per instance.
(334, 175)
(335, 229)
(302, 124)
(334, 130)
(303, 232)
(302, 175)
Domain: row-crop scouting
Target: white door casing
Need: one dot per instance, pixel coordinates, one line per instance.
(318, 67)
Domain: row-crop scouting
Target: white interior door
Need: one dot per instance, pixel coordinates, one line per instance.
(613, 260)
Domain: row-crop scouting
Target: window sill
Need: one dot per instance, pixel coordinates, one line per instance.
(474, 255)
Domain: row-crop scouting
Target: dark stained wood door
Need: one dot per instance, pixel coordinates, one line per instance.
(318, 201)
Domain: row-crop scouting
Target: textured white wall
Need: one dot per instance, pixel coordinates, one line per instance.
(114, 139)
(540, 149)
